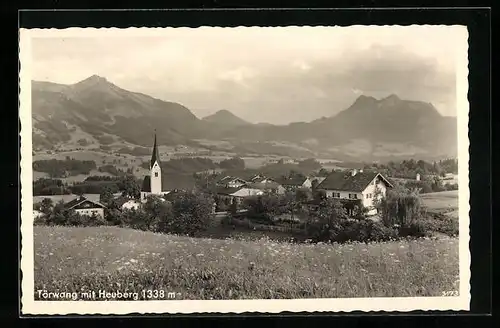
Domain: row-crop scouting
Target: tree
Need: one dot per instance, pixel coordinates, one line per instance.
(58, 216)
(106, 195)
(401, 207)
(158, 213)
(265, 207)
(326, 223)
(46, 206)
(130, 187)
(192, 213)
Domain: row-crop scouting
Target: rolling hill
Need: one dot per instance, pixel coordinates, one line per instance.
(225, 118)
(99, 112)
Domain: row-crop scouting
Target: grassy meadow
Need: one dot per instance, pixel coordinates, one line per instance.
(445, 202)
(110, 258)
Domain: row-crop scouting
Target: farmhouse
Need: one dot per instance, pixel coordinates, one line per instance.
(65, 198)
(85, 206)
(231, 182)
(295, 182)
(236, 194)
(355, 186)
(259, 178)
(267, 186)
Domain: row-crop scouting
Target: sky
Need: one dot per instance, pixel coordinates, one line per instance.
(262, 74)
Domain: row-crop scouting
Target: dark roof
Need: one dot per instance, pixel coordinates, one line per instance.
(292, 181)
(155, 156)
(227, 190)
(77, 201)
(345, 181)
(171, 182)
(66, 198)
(263, 186)
(227, 179)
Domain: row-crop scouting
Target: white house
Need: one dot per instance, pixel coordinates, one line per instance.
(85, 206)
(231, 182)
(152, 183)
(237, 194)
(37, 214)
(131, 205)
(356, 185)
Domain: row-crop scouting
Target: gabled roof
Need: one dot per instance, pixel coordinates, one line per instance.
(81, 200)
(227, 190)
(264, 185)
(292, 181)
(229, 178)
(259, 178)
(66, 198)
(345, 181)
(155, 156)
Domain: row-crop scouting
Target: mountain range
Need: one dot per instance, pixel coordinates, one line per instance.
(96, 111)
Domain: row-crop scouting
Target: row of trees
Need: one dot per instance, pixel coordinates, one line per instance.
(196, 164)
(186, 213)
(63, 168)
(410, 168)
(127, 184)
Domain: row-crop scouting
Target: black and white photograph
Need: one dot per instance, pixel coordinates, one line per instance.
(246, 169)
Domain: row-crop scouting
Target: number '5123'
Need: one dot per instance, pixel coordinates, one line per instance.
(450, 293)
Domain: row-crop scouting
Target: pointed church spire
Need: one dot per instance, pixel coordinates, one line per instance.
(155, 157)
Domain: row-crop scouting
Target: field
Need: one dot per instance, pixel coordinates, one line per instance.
(117, 259)
(445, 202)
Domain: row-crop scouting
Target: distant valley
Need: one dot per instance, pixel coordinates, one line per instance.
(97, 115)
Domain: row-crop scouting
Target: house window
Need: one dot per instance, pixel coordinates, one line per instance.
(336, 195)
(353, 196)
(156, 174)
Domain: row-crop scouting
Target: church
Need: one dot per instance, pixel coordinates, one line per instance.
(152, 183)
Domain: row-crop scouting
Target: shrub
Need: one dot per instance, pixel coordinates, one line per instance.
(379, 232)
(442, 224)
(75, 219)
(192, 213)
(40, 220)
(414, 229)
(401, 206)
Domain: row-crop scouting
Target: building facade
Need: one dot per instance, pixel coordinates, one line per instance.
(153, 183)
(363, 187)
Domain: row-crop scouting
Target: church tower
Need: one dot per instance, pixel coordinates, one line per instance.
(155, 170)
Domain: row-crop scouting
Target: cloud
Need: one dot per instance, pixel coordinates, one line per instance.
(276, 75)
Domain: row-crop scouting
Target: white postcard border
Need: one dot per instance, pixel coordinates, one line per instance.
(30, 306)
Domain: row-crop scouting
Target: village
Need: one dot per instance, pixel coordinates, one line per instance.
(235, 196)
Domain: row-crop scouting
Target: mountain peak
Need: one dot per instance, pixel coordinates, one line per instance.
(91, 80)
(392, 96)
(223, 112)
(226, 117)
(392, 99)
(364, 101)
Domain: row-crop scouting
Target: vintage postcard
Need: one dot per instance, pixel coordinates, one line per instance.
(249, 169)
